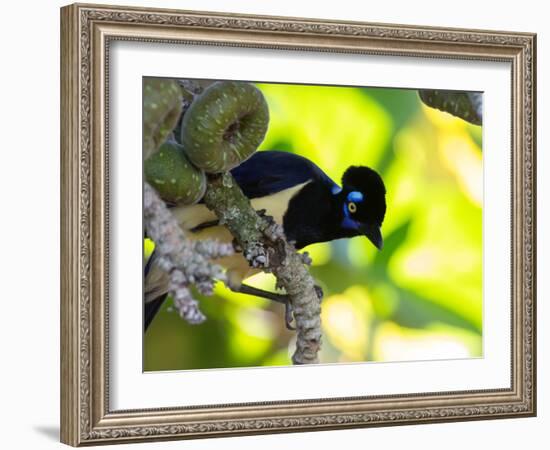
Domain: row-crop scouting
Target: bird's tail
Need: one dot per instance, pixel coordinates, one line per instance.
(155, 291)
(151, 309)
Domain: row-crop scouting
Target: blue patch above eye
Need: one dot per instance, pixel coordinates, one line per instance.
(355, 196)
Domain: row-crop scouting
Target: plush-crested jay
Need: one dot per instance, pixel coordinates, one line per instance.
(297, 194)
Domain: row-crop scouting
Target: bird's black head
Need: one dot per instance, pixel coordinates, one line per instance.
(364, 203)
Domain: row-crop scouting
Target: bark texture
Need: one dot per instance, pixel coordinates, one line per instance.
(466, 105)
(186, 262)
(264, 245)
(260, 238)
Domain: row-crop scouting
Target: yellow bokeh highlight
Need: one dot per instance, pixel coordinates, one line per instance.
(352, 127)
(320, 254)
(420, 298)
(462, 157)
(437, 180)
(255, 329)
(362, 252)
(345, 319)
(148, 247)
(396, 343)
(443, 120)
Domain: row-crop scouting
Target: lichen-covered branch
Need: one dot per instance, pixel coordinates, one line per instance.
(264, 245)
(466, 105)
(221, 124)
(186, 262)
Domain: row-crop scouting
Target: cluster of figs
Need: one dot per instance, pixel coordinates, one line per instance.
(222, 127)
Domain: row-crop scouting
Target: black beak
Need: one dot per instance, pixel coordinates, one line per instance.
(374, 235)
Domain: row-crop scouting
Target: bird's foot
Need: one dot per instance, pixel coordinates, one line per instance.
(279, 298)
(289, 316)
(306, 259)
(319, 292)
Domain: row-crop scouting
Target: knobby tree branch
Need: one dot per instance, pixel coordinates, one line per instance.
(261, 239)
(186, 262)
(264, 245)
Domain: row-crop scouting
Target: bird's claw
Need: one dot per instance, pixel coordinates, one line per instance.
(289, 310)
(306, 259)
(319, 292)
(289, 316)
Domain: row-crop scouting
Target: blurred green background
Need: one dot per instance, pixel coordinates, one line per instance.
(419, 298)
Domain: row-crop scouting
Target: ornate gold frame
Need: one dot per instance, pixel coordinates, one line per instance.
(86, 31)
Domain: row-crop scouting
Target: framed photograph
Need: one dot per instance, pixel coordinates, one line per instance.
(277, 225)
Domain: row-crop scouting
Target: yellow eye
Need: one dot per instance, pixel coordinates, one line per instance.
(352, 207)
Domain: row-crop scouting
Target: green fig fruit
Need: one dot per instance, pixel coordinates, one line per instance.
(224, 125)
(172, 175)
(162, 105)
(466, 105)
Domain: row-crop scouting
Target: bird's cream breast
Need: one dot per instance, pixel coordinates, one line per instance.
(236, 265)
(275, 205)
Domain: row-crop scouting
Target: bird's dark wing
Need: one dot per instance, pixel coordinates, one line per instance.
(155, 290)
(151, 309)
(268, 172)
